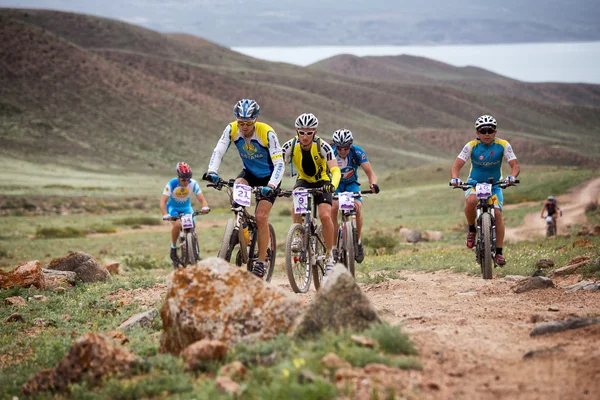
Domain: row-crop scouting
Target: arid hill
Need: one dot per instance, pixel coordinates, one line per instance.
(99, 93)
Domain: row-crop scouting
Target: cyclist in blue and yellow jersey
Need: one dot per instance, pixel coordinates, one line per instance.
(486, 154)
(177, 199)
(349, 157)
(261, 155)
(313, 160)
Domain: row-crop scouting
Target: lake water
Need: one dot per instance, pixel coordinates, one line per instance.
(535, 62)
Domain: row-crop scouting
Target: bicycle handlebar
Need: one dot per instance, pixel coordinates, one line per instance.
(195, 213)
(288, 193)
(466, 186)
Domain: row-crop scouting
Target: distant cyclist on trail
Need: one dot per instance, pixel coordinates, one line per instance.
(349, 157)
(313, 160)
(177, 199)
(552, 210)
(486, 154)
(262, 157)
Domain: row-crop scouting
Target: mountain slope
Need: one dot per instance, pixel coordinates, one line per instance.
(97, 93)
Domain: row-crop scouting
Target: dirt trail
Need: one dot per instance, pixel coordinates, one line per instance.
(572, 205)
(473, 335)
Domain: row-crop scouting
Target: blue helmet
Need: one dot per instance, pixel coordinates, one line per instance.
(246, 109)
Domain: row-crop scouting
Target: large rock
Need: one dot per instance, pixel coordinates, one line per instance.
(25, 275)
(215, 300)
(87, 268)
(92, 357)
(339, 304)
(533, 283)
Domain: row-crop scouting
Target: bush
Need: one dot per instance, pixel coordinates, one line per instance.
(59, 233)
(391, 339)
(135, 261)
(139, 221)
(379, 241)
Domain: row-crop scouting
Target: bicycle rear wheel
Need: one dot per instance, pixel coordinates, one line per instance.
(297, 263)
(271, 252)
(229, 241)
(486, 242)
(349, 246)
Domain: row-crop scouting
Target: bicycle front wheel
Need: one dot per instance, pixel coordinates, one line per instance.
(297, 260)
(486, 242)
(191, 249)
(318, 267)
(349, 246)
(229, 241)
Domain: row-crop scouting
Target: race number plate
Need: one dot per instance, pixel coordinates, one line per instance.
(549, 218)
(242, 194)
(346, 200)
(483, 190)
(187, 220)
(300, 201)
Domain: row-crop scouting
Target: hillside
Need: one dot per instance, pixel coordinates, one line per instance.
(97, 93)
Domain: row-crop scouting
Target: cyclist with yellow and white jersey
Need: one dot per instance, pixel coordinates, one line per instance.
(313, 160)
(486, 154)
(261, 154)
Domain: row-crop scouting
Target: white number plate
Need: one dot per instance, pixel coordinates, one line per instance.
(187, 220)
(242, 194)
(483, 190)
(346, 200)
(549, 218)
(300, 197)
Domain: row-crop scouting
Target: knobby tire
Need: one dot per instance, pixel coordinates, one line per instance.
(299, 274)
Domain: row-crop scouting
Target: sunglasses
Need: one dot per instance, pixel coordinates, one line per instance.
(486, 131)
(339, 148)
(245, 123)
(305, 133)
(184, 180)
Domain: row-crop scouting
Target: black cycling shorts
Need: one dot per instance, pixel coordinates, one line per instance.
(318, 198)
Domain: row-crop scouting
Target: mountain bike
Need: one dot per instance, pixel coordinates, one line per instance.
(347, 238)
(485, 248)
(551, 225)
(309, 259)
(188, 252)
(241, 232)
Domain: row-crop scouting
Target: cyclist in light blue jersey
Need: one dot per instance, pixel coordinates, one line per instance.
(261, 154)
(349, 157)
(486, 154)
(177, 199)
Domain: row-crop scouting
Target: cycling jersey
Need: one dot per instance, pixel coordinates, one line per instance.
(260, 153)
(349, 165)
(486, 161)
(551, 207)
(180, 198)
(311, 165)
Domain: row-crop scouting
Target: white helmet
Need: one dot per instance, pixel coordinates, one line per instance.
(486, 120)
(342, 137)
(307, 120)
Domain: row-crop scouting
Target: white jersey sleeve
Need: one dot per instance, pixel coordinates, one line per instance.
(509, 154)
(167, 190)
(276, 154)
(195, 187)
(287, 150)
(326, 151)
(465, 153)
(220, 150)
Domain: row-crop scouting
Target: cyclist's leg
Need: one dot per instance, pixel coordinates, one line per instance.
(176, 225)
(498, 201)
(323, 202)
(471, 214)
(335, 207)
(261, 213)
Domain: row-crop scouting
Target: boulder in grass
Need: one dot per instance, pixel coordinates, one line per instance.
(339, 304)
(87, 268)
(25, 275)
(215, 300)
(91, 358)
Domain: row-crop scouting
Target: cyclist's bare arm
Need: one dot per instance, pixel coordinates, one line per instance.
(163, 204)
(366, 166)
(202, 200)
(456, 167)
(515, 168)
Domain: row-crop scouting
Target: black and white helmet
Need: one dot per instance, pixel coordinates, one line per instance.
(342, 137)
(246, 109)
(486, 120)
(307, 120)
